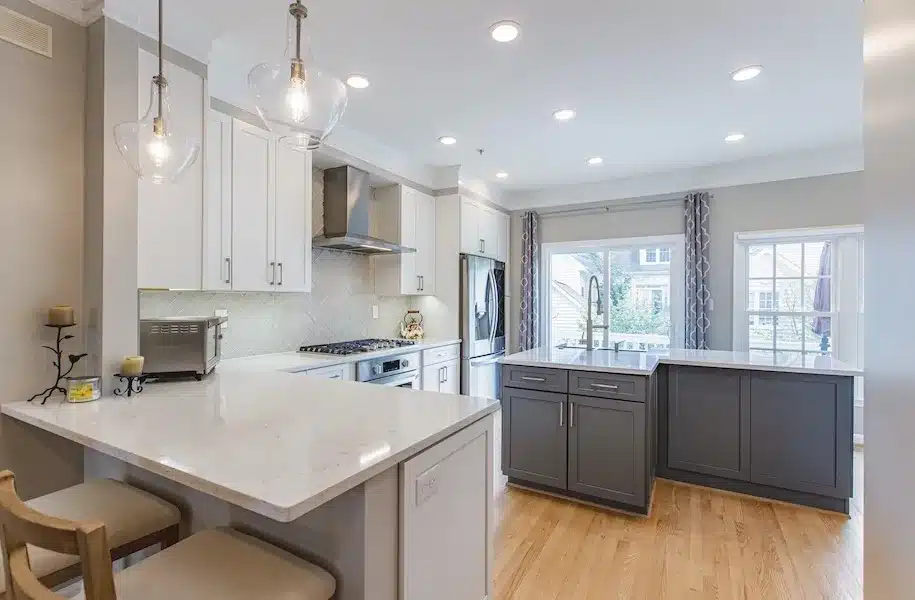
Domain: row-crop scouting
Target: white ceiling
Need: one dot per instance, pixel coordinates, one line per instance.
(648, 78)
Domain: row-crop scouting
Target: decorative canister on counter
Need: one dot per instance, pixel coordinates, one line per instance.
(412, 326)
(84, 389)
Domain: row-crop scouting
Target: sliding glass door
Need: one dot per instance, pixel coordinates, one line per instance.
(641, 285)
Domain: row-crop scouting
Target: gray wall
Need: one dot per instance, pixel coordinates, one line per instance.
(41, 167)
(812, 202)
(889, 91)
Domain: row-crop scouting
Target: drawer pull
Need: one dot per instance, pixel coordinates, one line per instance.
(337, 376)
(605, 386)
(537, 379)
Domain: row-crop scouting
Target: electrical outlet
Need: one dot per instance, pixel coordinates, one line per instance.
(222, 312)
(426, 486)
(374, 311)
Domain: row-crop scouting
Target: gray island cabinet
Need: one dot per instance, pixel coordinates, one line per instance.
(598, 426)
(588, 436)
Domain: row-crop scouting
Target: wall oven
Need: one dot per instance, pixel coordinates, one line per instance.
(396, 371)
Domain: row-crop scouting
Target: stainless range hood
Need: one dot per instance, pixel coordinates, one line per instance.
(347, 206)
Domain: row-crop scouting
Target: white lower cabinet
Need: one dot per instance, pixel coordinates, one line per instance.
(257, 233)
(442, 369)
(344, 372)
(446, 524)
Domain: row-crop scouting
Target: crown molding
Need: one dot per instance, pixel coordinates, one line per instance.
(83, 12)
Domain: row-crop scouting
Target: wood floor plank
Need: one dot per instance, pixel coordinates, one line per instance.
(698, 544)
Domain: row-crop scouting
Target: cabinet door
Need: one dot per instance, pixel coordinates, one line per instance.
(534, 436)
(709, 422)
(471, 242)
(802, 435)
(432, 378)
(170, 217)
(607, 451)
(253, 196)
(489, 231)
(504, 245)
(217, 207)
(409, 275)
(425, 242)
(293, 219)
(451, 372)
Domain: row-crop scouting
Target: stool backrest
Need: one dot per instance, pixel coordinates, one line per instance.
(21, 526)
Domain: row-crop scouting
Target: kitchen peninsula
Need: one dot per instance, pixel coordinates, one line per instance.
(599, 426)
(388, 489)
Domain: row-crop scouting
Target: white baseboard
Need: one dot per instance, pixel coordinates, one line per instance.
(859, 440)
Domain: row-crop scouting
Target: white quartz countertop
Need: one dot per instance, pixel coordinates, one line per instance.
(296, 362)
(642, 363)
(277, 444)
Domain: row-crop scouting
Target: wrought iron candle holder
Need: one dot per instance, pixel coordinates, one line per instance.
(130, 389)
(58, 363)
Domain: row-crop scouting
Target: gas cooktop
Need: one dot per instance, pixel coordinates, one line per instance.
(357, 347)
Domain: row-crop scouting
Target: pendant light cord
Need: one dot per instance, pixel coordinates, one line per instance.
(298, 34)
(161, 81)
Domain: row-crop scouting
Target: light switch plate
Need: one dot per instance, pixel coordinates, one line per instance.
(374, 311)
(426, 486)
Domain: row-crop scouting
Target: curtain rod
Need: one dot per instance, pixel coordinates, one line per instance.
(643, 204)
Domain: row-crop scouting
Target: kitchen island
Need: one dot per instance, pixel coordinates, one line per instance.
(599, 426)
(379, 485)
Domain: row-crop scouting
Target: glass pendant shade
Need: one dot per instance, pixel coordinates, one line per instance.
(151, 147)
(297, 101)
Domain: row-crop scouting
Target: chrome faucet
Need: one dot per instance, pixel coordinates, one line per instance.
(590, 326)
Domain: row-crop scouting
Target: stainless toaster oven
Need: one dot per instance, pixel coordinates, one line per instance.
(181, 345)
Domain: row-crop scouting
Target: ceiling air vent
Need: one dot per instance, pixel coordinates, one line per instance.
(25, 32)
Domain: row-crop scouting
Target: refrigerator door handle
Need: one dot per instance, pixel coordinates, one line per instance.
(487, 361)
(495, 308)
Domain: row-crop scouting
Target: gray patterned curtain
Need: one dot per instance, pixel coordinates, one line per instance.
(697, 270)
(530, 281)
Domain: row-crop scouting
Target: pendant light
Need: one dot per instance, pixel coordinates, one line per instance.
(151, 146)
(296, 100)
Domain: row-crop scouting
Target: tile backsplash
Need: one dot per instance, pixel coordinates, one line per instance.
(338, 308)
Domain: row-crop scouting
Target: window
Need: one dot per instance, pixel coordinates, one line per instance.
(798, 294)
(642, 301)
(655, 256)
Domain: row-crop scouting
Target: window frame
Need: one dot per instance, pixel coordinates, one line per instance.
(846, 286)
(677, 244)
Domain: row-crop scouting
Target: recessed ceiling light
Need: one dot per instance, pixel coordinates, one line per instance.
(564, 114)
(357, 81)
(746, 73)
(505, 31)
(733, 138)
(448, 140)
(595, 160)
(501, 174)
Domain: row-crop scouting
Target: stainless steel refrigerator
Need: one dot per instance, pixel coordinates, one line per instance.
(482, 325)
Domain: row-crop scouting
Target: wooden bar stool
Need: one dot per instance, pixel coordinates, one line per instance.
(219, 563)
(133, 520)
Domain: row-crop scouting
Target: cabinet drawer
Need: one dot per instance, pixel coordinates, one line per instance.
(608, 385)
(338, 372)
(433, 356)
(535, 378)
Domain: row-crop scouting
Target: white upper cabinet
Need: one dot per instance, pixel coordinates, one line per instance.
(257, 211)
(217, 206)
(253, 208)
(169, 217)
(504, 245)
(407, 217)
(293, 219)
(482, 230)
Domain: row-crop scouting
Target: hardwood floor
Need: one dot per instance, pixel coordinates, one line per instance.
(697, 544)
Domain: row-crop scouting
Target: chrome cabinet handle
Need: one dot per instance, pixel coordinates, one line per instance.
(273, 280)
(281, 273)
(419, 285)
(228, 270)
(537, 379)
(605, 386)
(441, 375)
(334, 377)
(422, 284)
(571, 414)
(481, 245)
(562, 414)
